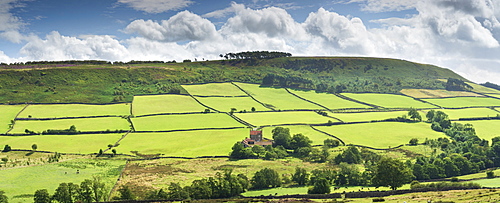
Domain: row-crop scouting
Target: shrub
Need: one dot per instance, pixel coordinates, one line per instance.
(490, 174)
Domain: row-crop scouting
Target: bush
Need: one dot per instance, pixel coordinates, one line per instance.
(490, 174)
(379, 199)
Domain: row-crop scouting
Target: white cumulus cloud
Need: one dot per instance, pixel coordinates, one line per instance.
(385, 5)
(183, 26)
(156, 6)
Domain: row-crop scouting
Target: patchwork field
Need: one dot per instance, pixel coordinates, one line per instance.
(328, 100)
(460, 102)
(369, 116)
(185, 121)
(185, 144)
(388, 100)
(382, 135)
(81, 144)
(315, 136)
(427, 93)
(74, 110)
(494, 182)
(26, 180)
(214, 89)
(486, 129)
(277, 98)
(284, 117)
(81, 124)
(225, 104)
(8, 113)
(170, 103)
(466, 113)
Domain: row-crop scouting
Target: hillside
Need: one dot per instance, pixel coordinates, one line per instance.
(107, 83)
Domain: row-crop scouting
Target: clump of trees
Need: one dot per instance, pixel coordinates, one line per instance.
(457, 85)
(89, 190)
(255, 55)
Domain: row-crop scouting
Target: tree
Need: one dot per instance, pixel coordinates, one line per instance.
(259, 150)
(392, 173)
(42, 196)
(114, 152)
(241, 152)
(301, 177)
(176, 192)
(66, 193)
(7, 148)
(414, 115)
(98, 189)
(490, 174)
(252, 109)
(100, 152)
(299, 141)
(413, 141)
(351, 155)
(266, 178)
(281, 136)
(321, 186)
(331, 143)
(34, 147)
(3, 197)
(125, 193)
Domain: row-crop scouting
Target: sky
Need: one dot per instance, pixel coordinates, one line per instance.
(462, 35)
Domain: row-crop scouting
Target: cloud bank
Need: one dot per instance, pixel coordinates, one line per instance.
(459, 34)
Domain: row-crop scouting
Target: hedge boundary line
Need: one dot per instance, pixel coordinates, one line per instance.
(15, 117)
(265, 106)
(184, 130)
(307, 100)
(328, 134)
(357, 101)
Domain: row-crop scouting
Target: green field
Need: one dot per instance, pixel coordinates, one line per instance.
(81, 124)
(74, 110)
(486, 129)
(466, 113)
(494, 182)
(284, 117)
(388, 100)
(26, 180)
(185, 121)
(303, 190)
(155, 104)
(277, 98)
(369, 116)
(315, 136)
(459, 102)
(81, 144)
(483, 89)
(477, 175)
(8, 113)
(225, 104)
(494, 95)
(382, 135)
(186, 144)
(214, 89)
(328, 100)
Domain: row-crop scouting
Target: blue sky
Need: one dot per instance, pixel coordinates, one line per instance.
(462, 35)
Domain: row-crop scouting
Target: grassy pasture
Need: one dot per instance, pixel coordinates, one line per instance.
(427, 93)
(477, 175)
(466, 113)
(214, 89)
(84, 144)
(8, 113)
(284, 117)
(185, 121)
(277, 98)
(369, 116)
(494, 95)
(303, 190)
(486, 129)
(388, 100)
(26, 180)
(382, 135)
(74, 110)
(459, 102)
(81, 124)
(186, 144)
(494, 182)
(225, 104)
(315, 136)
(328, 100)
(154, 104)
(483, 89)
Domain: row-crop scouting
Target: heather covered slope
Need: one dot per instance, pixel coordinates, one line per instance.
(107, 83)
